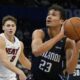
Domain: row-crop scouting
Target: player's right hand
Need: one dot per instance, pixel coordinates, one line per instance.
(62, 30)
(22, 76)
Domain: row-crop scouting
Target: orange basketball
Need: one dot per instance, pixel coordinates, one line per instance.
(72, 28)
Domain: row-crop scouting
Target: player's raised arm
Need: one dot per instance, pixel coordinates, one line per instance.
(39, 47)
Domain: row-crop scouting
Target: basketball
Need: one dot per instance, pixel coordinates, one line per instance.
(72, 28)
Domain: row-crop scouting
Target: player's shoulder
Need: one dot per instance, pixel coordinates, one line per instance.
(17, 39)
(22, 44)
(2, 37)
(2, 41)
(38, 31)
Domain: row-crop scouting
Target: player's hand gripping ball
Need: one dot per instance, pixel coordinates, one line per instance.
(72, 28)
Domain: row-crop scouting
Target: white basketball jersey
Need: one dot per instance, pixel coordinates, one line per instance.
(13, 50)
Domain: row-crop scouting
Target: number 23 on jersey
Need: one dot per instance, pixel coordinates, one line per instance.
(45, 66)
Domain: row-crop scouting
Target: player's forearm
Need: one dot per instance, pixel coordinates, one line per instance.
(46, 45)
(71, 64)
(6, 62)
(11, 67)
(25, 62)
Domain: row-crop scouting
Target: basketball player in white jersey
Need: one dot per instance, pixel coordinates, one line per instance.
(11, 50)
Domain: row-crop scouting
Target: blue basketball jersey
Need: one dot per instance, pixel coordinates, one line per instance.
(51, 64)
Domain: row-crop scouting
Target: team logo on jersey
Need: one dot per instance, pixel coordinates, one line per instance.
(13, 52)
(52, 56)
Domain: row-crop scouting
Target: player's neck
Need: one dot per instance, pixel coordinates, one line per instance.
(10, 38)
(53, 31)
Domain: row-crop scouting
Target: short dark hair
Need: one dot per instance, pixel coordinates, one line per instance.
(58, 8)
(8, 17)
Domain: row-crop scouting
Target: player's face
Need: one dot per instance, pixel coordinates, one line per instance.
(53, 18)
(9, 27)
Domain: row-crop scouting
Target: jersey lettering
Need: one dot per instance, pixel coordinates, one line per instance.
(52, 56)
(13, 52)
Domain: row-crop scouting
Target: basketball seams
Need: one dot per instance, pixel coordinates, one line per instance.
(66, 32)
(76, 18)
(75, 29)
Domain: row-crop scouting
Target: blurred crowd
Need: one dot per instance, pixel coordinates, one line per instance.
(42, 3)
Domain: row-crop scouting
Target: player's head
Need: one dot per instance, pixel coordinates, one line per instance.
(9, 25)
(55, 16)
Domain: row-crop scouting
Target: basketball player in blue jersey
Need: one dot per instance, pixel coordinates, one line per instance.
(50, 48)
(11, 50)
